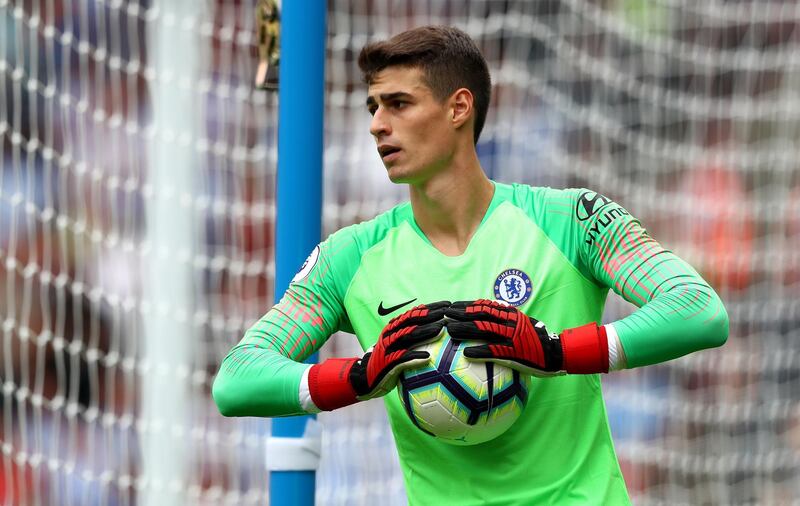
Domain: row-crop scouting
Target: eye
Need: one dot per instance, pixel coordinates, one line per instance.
(372, 109)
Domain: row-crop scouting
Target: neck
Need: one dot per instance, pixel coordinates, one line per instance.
(449, 206)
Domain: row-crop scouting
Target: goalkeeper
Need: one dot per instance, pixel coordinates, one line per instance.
(528, 270)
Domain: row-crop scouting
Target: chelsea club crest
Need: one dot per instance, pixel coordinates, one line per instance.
(512, 286)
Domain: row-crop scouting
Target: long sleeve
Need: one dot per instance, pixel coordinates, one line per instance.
(678, 313)
(261, 375)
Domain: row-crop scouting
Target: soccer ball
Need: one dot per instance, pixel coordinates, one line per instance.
(459, 401)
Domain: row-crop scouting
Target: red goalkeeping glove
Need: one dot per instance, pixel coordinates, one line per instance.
(339, 382)
(523, 343)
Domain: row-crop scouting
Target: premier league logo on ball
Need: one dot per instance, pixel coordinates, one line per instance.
(512, 286)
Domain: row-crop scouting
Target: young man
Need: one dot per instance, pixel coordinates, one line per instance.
(510, 253)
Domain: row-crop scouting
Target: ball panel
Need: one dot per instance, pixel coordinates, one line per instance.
(459, 401)
(472, 376)
(502, 378)
(439, 413)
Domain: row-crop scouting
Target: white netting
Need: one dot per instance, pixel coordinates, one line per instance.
(685, 112)
(88, 380)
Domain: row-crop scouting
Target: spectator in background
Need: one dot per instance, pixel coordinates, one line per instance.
(718, 217)
(790, 258)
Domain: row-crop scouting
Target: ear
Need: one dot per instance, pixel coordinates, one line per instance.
(461, 105)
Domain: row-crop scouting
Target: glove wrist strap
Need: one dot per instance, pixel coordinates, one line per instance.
(585, 349)
(329, 385)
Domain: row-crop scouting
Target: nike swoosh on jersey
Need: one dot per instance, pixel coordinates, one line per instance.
(383, 311)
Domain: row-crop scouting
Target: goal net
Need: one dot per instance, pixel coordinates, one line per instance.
(137, 191)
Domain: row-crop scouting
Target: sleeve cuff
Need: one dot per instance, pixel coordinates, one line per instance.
(616, 355)
(306, 403)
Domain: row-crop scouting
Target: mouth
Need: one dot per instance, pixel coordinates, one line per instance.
(388, 153)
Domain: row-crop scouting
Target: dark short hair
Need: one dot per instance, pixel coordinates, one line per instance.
(448, 58)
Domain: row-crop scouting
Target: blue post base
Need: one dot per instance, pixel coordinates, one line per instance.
(291, 488)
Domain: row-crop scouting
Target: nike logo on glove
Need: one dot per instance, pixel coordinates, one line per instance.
(383, 311)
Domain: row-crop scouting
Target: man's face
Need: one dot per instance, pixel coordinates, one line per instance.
(413, 131)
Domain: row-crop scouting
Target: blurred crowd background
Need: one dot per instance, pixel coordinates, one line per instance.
(687, 113)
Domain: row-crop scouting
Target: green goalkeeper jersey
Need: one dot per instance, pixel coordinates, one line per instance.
(552, 253)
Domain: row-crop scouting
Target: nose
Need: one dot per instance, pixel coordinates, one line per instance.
(379, 126)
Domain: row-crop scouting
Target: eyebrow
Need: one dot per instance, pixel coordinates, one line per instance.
(385, 97)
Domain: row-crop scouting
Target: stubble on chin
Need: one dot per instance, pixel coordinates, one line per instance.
(396, 175)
